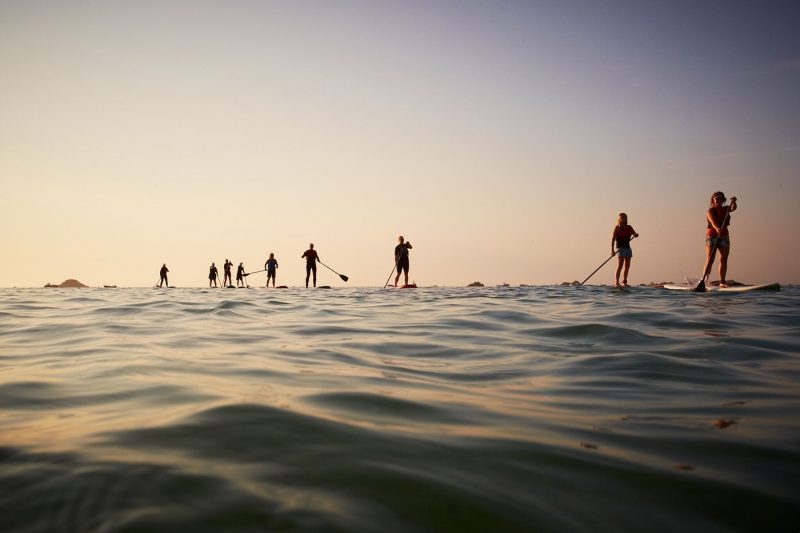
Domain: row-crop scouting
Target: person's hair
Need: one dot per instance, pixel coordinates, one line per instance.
(717, 193)
(620, 216)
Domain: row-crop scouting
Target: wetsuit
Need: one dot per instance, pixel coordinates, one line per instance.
(227, 267)
(240, 273)
(270, 266)
(311, 264)
(163, 272)
(212, 273)
(401, 257)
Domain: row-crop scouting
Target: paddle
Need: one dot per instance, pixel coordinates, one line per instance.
(256, 272)
(701, 285)
(396, 262)
(601, 266)
(344, 278)
(596, 269)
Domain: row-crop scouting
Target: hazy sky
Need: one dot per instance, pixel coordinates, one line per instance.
(500, 138)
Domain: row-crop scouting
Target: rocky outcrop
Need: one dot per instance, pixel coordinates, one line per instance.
(68, 283)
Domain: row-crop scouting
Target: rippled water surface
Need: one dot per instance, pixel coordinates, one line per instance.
(516, 408)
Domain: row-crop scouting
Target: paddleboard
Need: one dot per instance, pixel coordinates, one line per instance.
(324, 287)
(740, 288)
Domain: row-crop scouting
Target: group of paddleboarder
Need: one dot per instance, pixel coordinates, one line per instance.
(718, 218)
(271, 266)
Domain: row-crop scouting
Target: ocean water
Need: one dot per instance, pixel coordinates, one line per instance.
(435, 409)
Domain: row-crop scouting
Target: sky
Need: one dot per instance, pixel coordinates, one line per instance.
(500, 138)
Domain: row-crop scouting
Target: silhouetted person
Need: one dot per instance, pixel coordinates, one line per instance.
(271, 266)
(240, 274)
(401, 258)
(226, 279)
(621, 236)
(311, 257)
(718, 218)
(163, 273)
(212, 275)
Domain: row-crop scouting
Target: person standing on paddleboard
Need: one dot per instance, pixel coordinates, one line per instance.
(621, 236)
(212, 275)
(240, 275)
(311, 258)
(271, 266)
(227, 280)
(718, 218)
(401, 258)
(163, 274)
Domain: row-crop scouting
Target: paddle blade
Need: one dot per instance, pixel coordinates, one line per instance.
(700, 287)
(344, 278)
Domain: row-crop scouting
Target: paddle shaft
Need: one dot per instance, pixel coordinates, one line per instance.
(256, 272)
(390, 273)
(344, 278)
(598, 268)
(601, 266)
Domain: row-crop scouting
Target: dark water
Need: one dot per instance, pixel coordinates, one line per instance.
(531, 409)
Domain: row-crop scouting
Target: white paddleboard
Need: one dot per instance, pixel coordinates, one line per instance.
(740, 288)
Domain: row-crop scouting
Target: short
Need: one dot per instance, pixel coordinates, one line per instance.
(402, 265)
(270, 273)
(720, 242)
(625, 252)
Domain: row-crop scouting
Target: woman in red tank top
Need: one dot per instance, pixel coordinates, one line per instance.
(717, 238)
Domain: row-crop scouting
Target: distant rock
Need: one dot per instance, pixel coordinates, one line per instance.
(475, 284)
(68, 284)
(571, 283)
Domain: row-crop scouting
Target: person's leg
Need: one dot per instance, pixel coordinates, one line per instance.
(709, 260)
(625, 273)
(314, 268)
(723, 265)
(620, 262)
(308, 274)
(405, 273)
(397, 277)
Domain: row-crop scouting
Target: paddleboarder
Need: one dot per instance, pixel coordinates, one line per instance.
(226, 279)
(163, 274)
(311, 258)
(271, 266)
(718, 218)
(240, 275)
(621, 236)
(401, 259)
(212, 275)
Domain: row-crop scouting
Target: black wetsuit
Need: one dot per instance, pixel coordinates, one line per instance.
(401, 257)
(311, 264)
